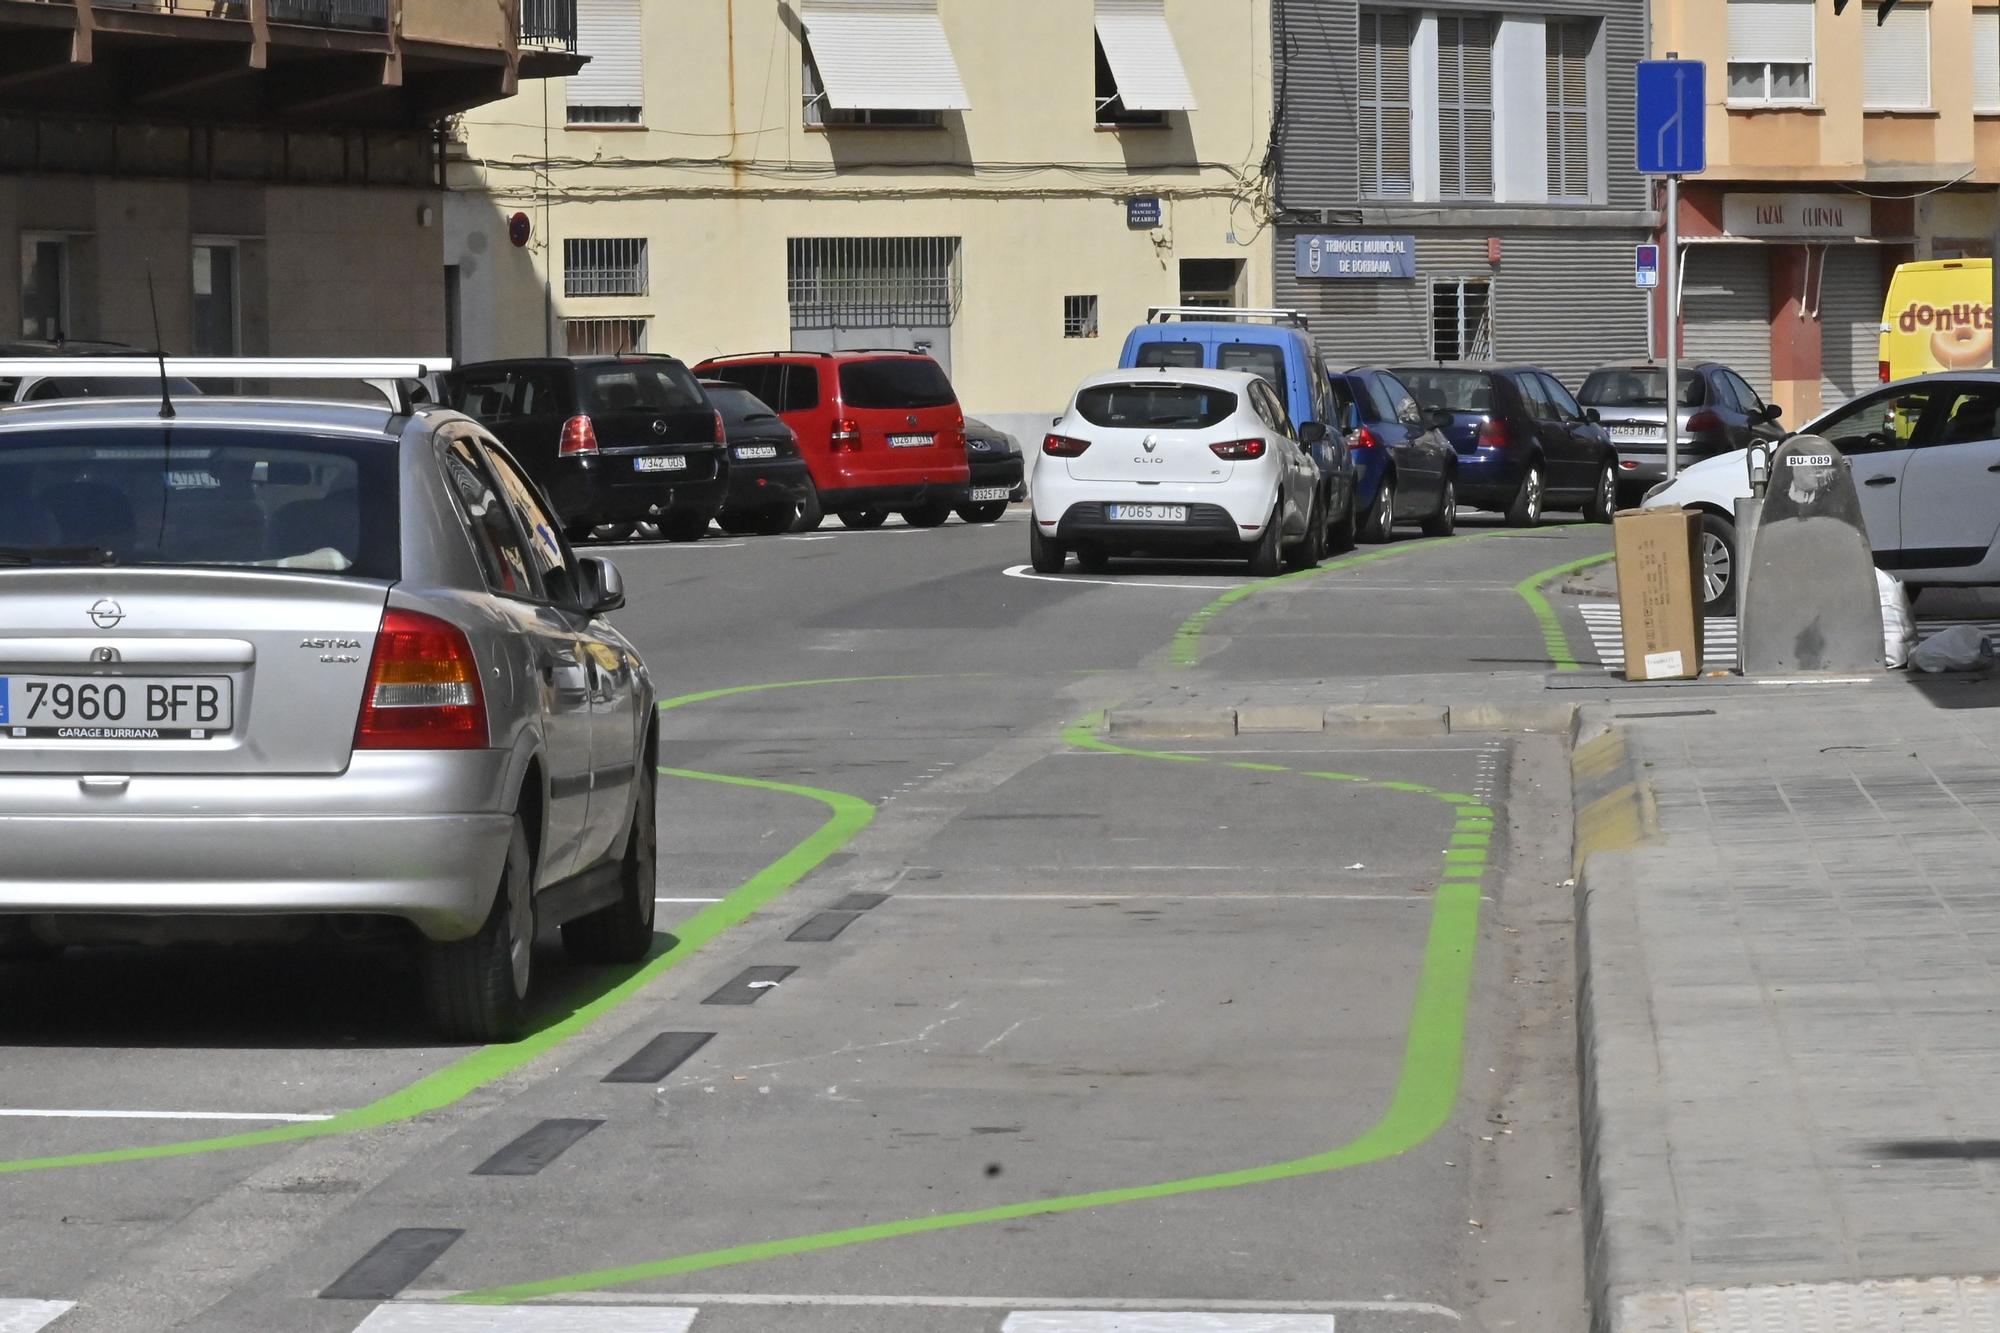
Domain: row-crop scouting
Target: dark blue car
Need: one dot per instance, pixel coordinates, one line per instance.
(1523, 443)
(1404, 469)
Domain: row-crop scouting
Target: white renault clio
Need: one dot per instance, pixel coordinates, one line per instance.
(1176, 461)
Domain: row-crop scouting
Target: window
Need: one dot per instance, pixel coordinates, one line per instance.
(1771, 52)
(1745, 395)
(1257, 358)
(1111, 108)
(1461, 328)
(217, 314)
(610, 89)
(1966, 416)
(603, 337)
(538, 530)
(877, 62)
(1169, 354)
(1896, 71)
(1559, 398)
(1155, 406)
(45, 287)
(655, 386)
(1140, 76)
(1535, 395)
(1986, 60)
(898, 382)
(820, 112)
(1568, 72)
(1465, 107)
(872, 282)
(1079, 317)
(1882, 424)
(1210, 282)
(1382, 106)
(604, 267)
(1467, 391)
(495, 396)
(494, 539)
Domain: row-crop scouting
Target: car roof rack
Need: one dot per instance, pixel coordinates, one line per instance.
(1224, 314)
(98, 366)
(752, 356)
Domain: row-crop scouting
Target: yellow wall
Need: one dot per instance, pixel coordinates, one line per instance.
(724, 172)
(483, 23)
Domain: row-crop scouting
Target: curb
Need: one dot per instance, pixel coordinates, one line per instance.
(1354, 720)
(1613, 805)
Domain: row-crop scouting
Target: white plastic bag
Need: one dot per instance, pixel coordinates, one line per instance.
(1899, 627)
(1960, 648)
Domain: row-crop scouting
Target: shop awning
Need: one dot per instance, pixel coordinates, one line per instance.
(883, 55)
(1143, 57)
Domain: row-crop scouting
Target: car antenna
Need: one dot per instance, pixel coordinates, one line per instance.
(159, 349)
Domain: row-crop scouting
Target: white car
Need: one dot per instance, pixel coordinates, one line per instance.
(1177, 461)
(1925, 454)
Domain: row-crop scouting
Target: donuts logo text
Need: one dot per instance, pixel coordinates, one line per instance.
(1963, 315)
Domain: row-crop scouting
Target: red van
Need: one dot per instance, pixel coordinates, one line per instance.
(881, 431)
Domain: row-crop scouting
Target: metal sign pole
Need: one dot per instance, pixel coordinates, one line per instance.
(1670, 273)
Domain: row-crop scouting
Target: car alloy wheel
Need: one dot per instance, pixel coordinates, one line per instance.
(1717, 563)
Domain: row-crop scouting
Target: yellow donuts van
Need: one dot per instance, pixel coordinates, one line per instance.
(1939, 316)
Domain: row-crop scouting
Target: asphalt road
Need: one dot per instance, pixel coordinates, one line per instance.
(969, 1019)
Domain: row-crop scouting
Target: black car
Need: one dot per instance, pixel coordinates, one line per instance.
(997, 474)
(1523, 443)
(768, 481)
(1404, 468)
(612, 440)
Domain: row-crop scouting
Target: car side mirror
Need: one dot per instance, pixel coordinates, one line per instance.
(600, 587)
(1313, 432)
(1055, 421)
(1592, 415)
(1438, 418)
(1772, 411)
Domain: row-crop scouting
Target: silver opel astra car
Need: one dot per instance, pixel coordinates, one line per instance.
(273, 668)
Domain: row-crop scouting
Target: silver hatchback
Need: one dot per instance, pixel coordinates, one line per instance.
(274, 670)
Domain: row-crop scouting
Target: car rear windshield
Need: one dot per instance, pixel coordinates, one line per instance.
(1168, 354)
(1452, 390)
(903, 381)
(1639, 386)
(1257, 358)
(737, 403)
(1155, 406)
(641, 386)
(194, 495)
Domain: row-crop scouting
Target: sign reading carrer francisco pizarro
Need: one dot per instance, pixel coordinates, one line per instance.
(1350, 255)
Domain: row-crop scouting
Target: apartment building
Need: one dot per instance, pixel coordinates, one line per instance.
(1455, 179)
(265, 172)
(1837, 148)
(1008, 187)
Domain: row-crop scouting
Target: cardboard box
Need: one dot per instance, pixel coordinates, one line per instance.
(1659, 591)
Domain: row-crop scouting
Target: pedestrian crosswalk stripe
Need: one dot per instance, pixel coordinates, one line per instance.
(22, 1316)
(1718, 635)
(430, 1317)
(1142, 1321)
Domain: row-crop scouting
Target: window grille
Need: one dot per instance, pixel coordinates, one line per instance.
(872, 281)
(1461, 320)
(603, 337)
(604, 266)
(1079, 317)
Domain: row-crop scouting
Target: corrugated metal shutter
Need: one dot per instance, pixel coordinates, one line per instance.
(1383, 108)
(1850, 321)
(1986, 60)
(608, 32)
(1896, 66)
(1465, 107)
(884, 55)
(1726, 305)
(1143, 58)
(1568, 76)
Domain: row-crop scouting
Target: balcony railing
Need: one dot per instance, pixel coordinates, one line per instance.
(549, 23)
(357, 15)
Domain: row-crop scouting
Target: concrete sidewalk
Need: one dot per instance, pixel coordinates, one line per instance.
(1790, 1013)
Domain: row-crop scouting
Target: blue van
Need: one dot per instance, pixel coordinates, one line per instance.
(1271, 343)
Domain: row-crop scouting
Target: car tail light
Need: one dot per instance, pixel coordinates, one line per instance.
(1492, 434)
(721, 431)
(1704, 420)
(1882, 369)
(1237, 450)
(1365, 439)
(846, 435)
(1063, 446)
(579, 436)
(423, 688)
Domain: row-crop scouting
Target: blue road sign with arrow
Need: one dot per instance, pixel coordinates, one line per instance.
(1673, 122)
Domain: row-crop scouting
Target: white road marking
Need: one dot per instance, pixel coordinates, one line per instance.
(1174, 897)
(37, 1113)
(1718, 640)
(1011, 1303)
(1107, 1321)
(1026, 572)
(19, 1316)
(423, 1317)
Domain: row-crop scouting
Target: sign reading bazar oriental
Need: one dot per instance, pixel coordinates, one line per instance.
(1798, 216)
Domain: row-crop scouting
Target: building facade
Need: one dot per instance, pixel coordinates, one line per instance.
(1008, 187)
(1837, 148)
(264, 172)
(1455, 179)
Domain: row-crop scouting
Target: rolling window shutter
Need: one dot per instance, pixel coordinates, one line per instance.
(1144, 60)
(1986, 59)
(608, 32)
(884, 55)
(1777, 31)
(1896, 73)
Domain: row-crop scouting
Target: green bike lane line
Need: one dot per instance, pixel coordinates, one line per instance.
(1425, 1094)
(847, 816)
(1555, 640)
(1186, 648)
